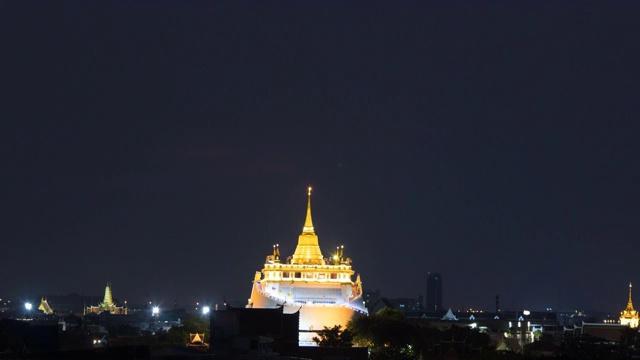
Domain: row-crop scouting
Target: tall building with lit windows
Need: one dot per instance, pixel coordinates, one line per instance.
(629, 316)
(322, 289)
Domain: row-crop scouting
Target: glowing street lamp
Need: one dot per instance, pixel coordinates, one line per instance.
(28, 306)
(155, 311)
(205, 310)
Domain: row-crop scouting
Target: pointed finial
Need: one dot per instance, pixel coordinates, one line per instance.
(308, 223)
(630, 303)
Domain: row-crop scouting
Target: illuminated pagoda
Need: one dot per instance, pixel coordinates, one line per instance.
(320, 288)
(107, 304)
(629, 316)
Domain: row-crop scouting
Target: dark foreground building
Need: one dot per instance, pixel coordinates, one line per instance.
(260, 332)
(255, 331)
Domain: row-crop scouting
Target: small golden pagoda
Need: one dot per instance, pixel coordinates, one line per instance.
(320, 288)
(629, 316)
(107, 304)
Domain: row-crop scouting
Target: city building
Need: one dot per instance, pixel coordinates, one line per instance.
(629, 316)
(407, 304)
(434, 292)
(107, 304)
(320, 288)
(369, 297)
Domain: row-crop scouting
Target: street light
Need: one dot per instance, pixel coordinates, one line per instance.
(155, 311)
(205, 310)
(28, 306)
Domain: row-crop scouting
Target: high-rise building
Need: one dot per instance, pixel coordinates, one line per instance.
(320, 288)
(434, 292)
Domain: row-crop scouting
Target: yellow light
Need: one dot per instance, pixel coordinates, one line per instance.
(309, 193)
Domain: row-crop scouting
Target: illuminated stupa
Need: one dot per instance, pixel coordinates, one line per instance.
(320, 288)
(629, 316)
(107, 304)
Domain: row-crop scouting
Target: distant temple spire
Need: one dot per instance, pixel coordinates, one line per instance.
(107, 302)
(308, 223)
(629, 316)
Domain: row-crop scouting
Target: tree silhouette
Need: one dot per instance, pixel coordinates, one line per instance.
(334, 337)
(388, 333)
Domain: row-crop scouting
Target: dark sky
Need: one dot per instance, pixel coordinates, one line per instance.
(165, 146)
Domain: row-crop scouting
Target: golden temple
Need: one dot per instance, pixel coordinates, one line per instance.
(320, 288)
(629, 316)
(107, 304)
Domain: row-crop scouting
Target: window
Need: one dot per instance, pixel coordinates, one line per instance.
(298, 275)
(334, 276)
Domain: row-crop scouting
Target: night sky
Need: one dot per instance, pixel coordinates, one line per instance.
(166, 146)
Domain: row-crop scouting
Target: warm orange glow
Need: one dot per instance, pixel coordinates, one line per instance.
(322, 290)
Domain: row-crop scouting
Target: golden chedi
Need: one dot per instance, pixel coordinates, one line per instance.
(320, 288)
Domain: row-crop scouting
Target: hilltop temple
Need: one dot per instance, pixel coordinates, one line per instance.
(629, 316)
(320, 288)
(107, 304)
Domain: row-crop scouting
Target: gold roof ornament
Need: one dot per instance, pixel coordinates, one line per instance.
(630, 303)
(629, 316)
(44, 306)
(308, 249)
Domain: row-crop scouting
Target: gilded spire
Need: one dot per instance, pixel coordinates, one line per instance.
(108, 298)
(629, 316)
(308, 223)
(308, 250)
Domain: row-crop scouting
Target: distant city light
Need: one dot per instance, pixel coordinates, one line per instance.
(205, 310)
(28, 306)
(526, 312)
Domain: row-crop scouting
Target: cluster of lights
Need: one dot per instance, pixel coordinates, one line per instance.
(155, 310)
(610, 321)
